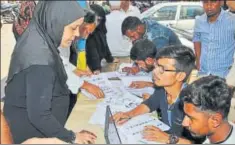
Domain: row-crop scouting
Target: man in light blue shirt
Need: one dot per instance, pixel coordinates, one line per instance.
(214, 40)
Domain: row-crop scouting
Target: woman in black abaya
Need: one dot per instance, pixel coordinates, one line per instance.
(37, 96)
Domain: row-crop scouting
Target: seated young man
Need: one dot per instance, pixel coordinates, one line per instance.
(172, 67)
(143, 54)
(206, 105)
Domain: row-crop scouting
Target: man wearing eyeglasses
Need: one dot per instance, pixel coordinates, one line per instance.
(173, 65)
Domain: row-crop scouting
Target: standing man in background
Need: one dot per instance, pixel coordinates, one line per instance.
(117, 44)
(214, 40)
(129, 9)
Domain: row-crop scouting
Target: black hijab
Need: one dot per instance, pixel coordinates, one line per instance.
(38, 44)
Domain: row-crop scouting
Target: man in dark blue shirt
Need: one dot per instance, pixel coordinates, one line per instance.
(172, 68)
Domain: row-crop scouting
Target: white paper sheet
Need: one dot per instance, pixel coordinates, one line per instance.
(133, 129)
(122, 103)
(103, 83)
(127, 80)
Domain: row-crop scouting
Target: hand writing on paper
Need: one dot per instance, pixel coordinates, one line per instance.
(85, 137)
(140, 84)
(146, 96)
(131, 70)
(152, 133)
(120, 118)
(93, 89)
(81, 73)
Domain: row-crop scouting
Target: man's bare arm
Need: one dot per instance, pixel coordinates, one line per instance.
(197, 48)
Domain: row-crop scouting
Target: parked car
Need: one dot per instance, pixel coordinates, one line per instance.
(180, 15)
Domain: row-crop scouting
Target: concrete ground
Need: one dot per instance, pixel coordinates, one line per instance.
(8, 43)
(7, 46)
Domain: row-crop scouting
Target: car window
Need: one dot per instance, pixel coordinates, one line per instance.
(166, 13)
(190, 12)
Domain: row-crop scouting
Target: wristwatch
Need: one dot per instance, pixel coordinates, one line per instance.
(173, 139)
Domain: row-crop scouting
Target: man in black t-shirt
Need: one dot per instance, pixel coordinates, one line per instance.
(172, 68)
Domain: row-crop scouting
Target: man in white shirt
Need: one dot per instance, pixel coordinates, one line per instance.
(206, 105)
(118, 45)
(129, 9)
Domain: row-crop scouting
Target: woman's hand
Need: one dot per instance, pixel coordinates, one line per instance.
(93, 89)
(85, 137)
(81, 73)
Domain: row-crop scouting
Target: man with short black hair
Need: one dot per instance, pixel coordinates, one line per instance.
(173, 66)
(206, 105)
(149, 28)
(143, 54)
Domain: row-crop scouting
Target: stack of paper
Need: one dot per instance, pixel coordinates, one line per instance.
(133, 129)
(122, 103)
(103, 83)
(121, 99)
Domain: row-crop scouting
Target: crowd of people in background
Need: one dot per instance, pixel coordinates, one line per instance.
(61, 41)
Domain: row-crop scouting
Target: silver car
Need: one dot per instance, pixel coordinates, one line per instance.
(180, 15)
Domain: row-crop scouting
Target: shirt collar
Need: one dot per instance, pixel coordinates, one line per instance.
(220, 17)
(131, 9)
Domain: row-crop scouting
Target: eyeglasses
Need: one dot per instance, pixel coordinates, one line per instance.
(161, 69)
